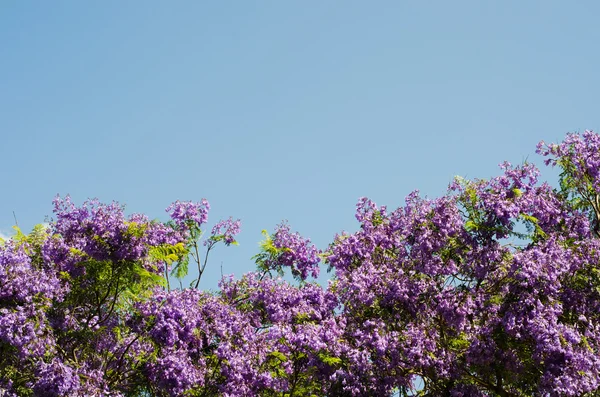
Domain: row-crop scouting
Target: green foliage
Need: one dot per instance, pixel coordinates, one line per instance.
(266, 259)
(169, 254)
(31, 242)
(532, 224)
(329, 359)
(459, 343)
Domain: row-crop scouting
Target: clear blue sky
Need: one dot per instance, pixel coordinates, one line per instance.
(281, 109)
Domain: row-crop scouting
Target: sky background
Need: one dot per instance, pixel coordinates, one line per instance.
(279, 110)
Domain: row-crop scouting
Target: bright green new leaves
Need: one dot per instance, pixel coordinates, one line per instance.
(169, 254)
(267, 259)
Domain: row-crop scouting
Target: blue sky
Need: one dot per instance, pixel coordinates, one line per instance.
(281, 110)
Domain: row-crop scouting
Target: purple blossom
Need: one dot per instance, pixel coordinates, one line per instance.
(187, 213)
(26, 329)
(490, 289)
(227, 229)
(21, 281)
(56, 379)
(298, 253)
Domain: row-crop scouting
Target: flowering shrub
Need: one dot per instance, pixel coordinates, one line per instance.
(490, 290)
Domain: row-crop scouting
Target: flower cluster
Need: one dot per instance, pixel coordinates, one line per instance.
(225, 229)
(297, 253)
(452, 289)
(186, 213)
(492, 289)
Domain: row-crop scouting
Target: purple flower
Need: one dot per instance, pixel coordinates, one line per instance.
(187, 213)
(56, 379)
(226, 229)
(297, 253)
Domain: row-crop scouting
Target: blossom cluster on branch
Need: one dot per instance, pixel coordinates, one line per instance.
(490, 290)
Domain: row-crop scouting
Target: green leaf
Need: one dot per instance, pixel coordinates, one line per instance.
(471, 226)
(169, 254)
(19, 237)
(278, 355)
(329, 360)
(459, 343)
(180, 270)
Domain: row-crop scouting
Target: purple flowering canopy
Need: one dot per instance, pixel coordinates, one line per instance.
(490, 290)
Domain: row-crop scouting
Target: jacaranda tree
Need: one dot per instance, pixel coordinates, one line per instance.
(491, 290)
